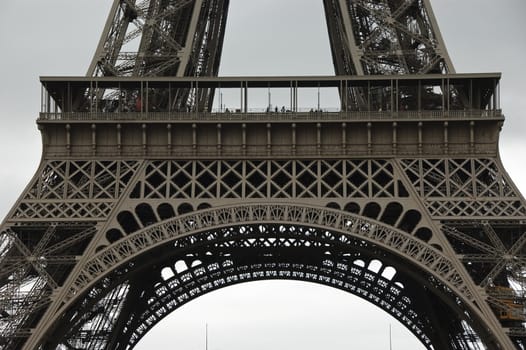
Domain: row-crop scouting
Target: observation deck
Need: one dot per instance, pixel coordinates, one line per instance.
(427, 115)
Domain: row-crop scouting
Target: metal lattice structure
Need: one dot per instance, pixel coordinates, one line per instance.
(146, 198)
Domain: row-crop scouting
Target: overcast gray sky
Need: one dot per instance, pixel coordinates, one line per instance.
(264, 37)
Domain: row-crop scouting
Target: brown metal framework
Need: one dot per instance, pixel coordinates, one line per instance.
(147, 198)
(183, 38)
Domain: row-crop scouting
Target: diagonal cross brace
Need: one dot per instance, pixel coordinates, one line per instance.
(32, 258)
(506, 257)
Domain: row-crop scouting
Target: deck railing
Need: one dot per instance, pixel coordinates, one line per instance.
(271, 116)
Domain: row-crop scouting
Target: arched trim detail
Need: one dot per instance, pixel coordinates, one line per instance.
(393, 240)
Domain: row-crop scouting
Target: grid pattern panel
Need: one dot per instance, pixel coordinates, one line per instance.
(469, 187)
(73, 190)
(269, 179)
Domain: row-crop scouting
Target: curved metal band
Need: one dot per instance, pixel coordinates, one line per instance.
(393, 240)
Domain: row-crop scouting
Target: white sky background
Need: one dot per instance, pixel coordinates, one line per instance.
(264, 37)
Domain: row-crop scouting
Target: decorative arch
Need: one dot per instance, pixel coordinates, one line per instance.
(225, 246)
(350, 224)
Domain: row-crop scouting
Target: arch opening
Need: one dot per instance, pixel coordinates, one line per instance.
(244, 315)
(232, 255)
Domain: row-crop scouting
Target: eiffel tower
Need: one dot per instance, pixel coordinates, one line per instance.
(148, 197)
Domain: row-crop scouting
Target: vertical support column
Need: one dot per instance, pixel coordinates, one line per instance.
(269, 139)
(318, 138)
(470, 96)
(494, 107)
(318, 109)
(241, 99)
(419, 137)
(219, 142)
(146, 100)
(68, 138)
(194, 138)
(196, 99)
(446, 138)
(369, 98)
(419, 97)
(472, 136)
(144, 139)
(269, 105)
(169, 96)
(397, 97)
(293, 130)
(391, 97)
(344, 138)
(296, 97)
(90, 96)
(448, 95)
(291, 95)
(142, 97)
(97, 107)
(169, 138)
(43, 108)
(93, 138)
(395, 138)
(244, 138)
(48, 102)
(343, 97)
(119, 138)
(369, 138)
(245, 89)
(69, 105)
(497, 92)
(443, 89)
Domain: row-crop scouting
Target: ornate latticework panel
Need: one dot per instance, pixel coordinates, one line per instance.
(269, 179)
(464, 188)
(482, 217)
(73, 190)
(166, 189)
